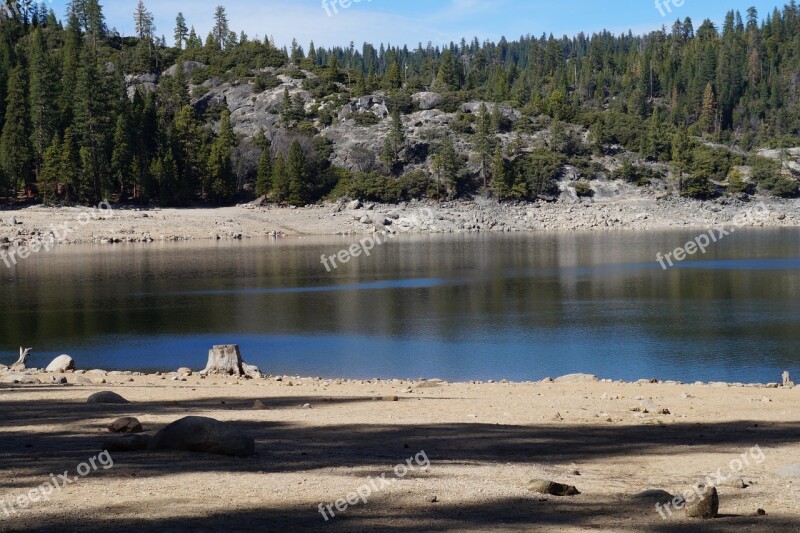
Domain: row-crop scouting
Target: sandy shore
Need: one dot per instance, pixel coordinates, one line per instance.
(484, 443)
(73, 225)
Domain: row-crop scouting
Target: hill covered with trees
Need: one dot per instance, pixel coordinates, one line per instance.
(87, 114)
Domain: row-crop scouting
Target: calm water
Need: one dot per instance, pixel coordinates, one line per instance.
(458, 308)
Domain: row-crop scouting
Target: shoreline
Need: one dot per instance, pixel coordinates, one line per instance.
(67, 225)
(575, 378)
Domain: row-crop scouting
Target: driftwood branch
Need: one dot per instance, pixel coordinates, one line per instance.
(24, 353)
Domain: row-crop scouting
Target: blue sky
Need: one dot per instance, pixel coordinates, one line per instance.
(414, 21)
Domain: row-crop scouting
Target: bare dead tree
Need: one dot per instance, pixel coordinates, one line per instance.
(24, 353)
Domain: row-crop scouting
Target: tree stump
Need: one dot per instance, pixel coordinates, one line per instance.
(24, 353)
(227, 360)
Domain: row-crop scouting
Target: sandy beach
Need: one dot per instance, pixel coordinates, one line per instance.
(250, 221)
(319, 440)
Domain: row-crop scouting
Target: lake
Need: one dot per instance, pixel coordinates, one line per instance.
(471, 307)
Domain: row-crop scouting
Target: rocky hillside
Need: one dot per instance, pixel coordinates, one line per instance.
(358, 127)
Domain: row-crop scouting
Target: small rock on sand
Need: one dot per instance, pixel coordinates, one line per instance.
(107, 397)
(648, 404)
(705, 506)
(735, 483)
(789, 471)
(654, 496)
(126, 424)
(21, 379)
(258, 405)
(543, 486)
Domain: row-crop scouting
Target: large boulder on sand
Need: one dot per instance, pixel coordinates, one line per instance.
(203, 435)
(61, 364)
(106, 397)
(126, 443)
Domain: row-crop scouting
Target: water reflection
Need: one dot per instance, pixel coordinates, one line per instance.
(457, 307)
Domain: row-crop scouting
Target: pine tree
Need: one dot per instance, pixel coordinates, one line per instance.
(680, 155)
(189, 151)
(193, 42)
(70, 63)
(95, 22)
(332, 72)
(165, 172)
(296, 55)
(656, 144)
(393, 78)
(386, 155)
(143, 22)
(449, 77)
(708, 113)
(93, 125)
(222, 182)
(298, 108)
(498, 120)
(296, 174)
(43, 97)
(69, 165)
(312, 55)
(448, 164)
(122, 155)
(264, 172)
(484, 141)
(181, 31)
(15, 149)
(50, 172)
(360, 88)
(280, 182)
(395, 141)
(177, 90)
(499, 87)
(287, 109)
(221, 30)
(500, 187)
